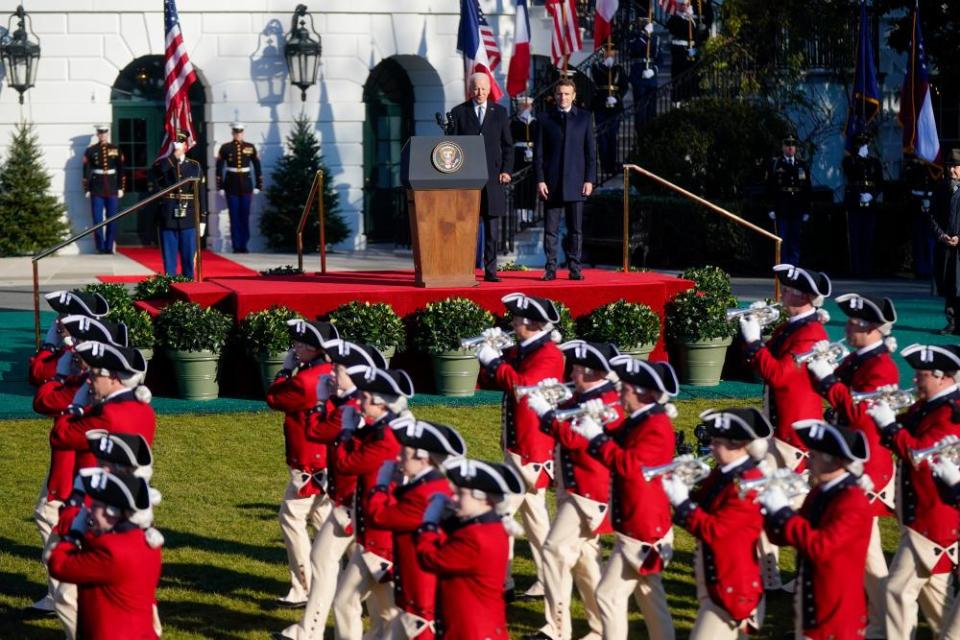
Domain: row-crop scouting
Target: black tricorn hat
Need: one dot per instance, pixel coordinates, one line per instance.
(489, 477)
(350, 354)
(595, 355)
(810, 282)
(531, 307)
(741, 424)
(127, 449)
(656, 376)
(932, 357)
(87, 328)
(317, 334)
(829, 438)
(429, 436)
(98, 355)
(393, 382)
(128, 493)
(78, 302)
(872, 309)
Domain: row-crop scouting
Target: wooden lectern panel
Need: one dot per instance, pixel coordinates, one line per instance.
(443, 228)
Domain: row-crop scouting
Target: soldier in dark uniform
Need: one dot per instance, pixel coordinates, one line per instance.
(920, 182)
(788, 188)
(610, 80)
(103, 182)
(864, 175)
(645, 60)
(176, 217)
(945, 220)
(523, 130)
(689, 29)
(237, 158)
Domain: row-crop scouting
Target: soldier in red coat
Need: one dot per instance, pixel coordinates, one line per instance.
(468, 551)
(336, 394)
(868, 368)
(789, 393)
(415, 479)
(294, 391)
(43, 365)
(726, 524)
(920, 570)
(640, 512)
(830, 532)
(365, 443)
(113, 562)
(531, 451)
(947, 472)
(571, 553)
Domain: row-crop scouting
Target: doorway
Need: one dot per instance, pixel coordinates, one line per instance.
(138, 116)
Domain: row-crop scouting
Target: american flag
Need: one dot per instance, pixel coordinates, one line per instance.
(178, 76)
(668, 6)
(472, 44)
(489, 42)
(920, 135)
(565, 38)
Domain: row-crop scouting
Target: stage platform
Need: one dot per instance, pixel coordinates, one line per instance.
(315, 295)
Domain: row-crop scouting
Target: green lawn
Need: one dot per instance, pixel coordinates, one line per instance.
(222, 477)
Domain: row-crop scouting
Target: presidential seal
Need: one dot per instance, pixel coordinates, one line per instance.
(447, 157)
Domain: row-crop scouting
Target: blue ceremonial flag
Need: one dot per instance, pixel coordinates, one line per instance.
(865, 101)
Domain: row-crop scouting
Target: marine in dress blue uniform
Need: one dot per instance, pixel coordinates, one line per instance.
(235, 162)
(175, 218)
(103, 182)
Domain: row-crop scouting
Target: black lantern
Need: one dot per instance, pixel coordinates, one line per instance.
(20, 53)
(302, 51)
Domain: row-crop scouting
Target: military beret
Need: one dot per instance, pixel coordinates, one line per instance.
(837, 441)
(85, 329)
(128, 493)
(127, 449)
(656, 376)
(741, 424)
(869, 308)
(489, 477)
(810, 282)
(531, 307)
(394, 382)
(78, 302)
(931, 357)
(429, 436)
(319, 335)
(352, 355)
(595, 355)
(98, 355)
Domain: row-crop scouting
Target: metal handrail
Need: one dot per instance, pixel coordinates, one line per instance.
(627, 168)
(135, 207)
(316, 187)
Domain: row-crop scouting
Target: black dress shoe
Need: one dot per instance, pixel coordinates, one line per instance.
(492, 277)
(549, 275)
(577, 276)
(288, 604)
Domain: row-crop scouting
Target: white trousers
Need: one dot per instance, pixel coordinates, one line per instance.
(46, 515)
(909, 587)
(356, 584)
(535, 518)
(296, 514)
(619, 581)
(875, 583)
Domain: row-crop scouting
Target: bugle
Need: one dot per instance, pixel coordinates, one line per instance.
(832, 352)
(897, 398)
(554, 393)
(792, 484)
(948, 448)
(689, 469)
(765, 315)
(500, 341)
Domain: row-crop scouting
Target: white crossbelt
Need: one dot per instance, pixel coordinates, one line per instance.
(104, 172)
(236, 170)
(680, 43)
(523, 145)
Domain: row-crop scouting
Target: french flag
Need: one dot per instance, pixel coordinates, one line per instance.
(916, 108)
(603, 21)
(470, 44)
(519, 73)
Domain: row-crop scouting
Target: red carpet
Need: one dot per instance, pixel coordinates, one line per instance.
(214, 265)
(315, 295)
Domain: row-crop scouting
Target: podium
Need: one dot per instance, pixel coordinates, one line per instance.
(444, 176)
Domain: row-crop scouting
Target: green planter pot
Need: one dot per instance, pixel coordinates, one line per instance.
(455, 373)
(269, 366)
(196, 373)
(388, 353)
(700, 363)
(640, 352)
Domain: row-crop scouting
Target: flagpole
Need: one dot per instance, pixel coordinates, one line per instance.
(649, 35)
(563, 35)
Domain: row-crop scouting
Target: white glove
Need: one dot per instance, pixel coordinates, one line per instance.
(82, 396)
(86, 194)
(53, 334)
(488, 354)
(649, 28)
(203, 229)
(119, 193)
(772, 215)
(538, 404)
(587, 427)
(594, 407)
(647, 74)
(349, 419)
(324, 385)
(608, 62)
(866, 198)
(435, 508)
(820, 368)
(385, 475)
(863, 151)
(67, 365)
(805, 217)
(81, 523)
(222, 192)
(946, 471)
(773, 499)
(750, 328)
(611, 101)
(491, 334)
(256, 192)
(676, 489)
(692, 52)
(290, 360)
(882, 414)
(689, 10)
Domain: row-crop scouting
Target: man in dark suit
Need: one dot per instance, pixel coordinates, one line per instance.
(565, 162)
(478, 116)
